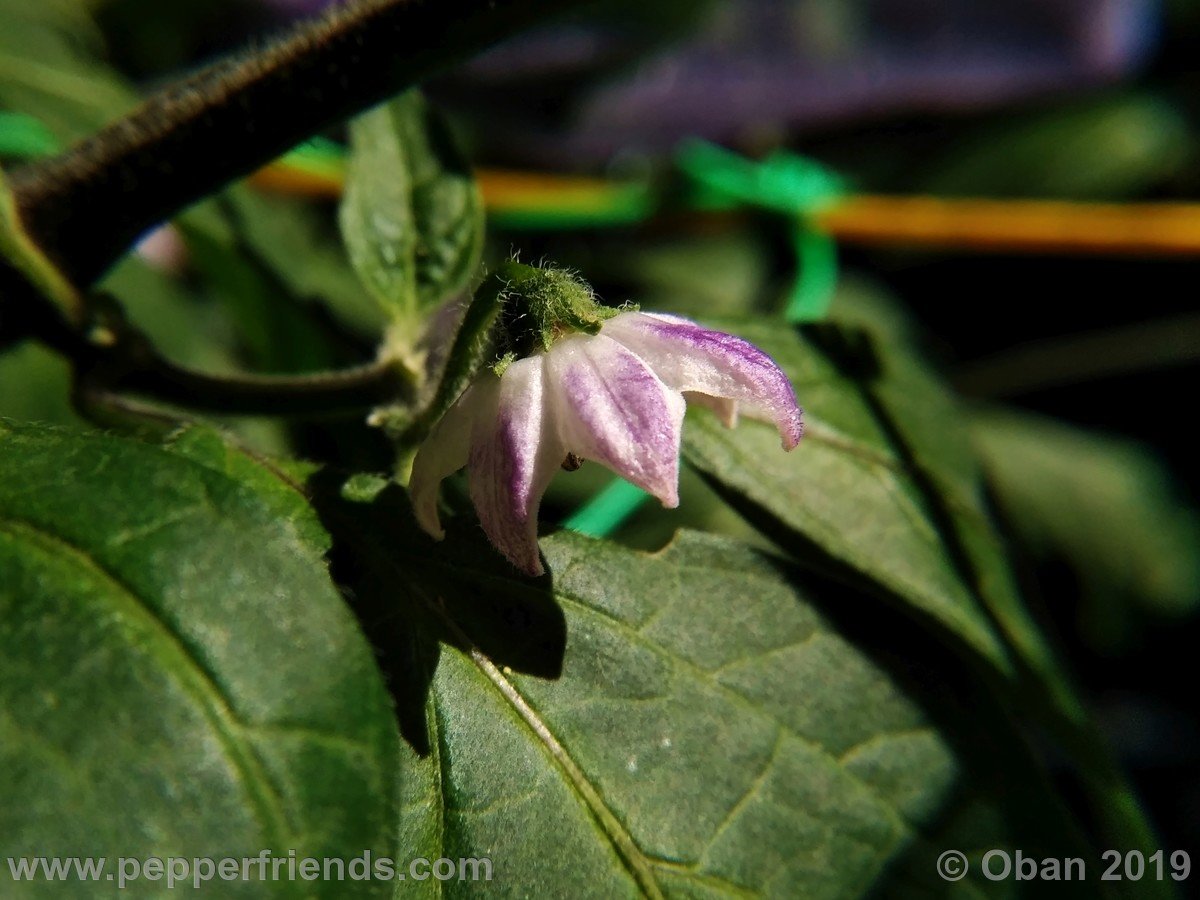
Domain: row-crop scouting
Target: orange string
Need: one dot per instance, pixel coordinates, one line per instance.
(1044, 226)
(1040, 226)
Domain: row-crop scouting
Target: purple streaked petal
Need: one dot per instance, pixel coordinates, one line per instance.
(613, 409)
(688, 357)
(513, 457)
(446, 450)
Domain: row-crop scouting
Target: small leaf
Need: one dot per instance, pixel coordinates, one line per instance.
(181, 319)
(1116, 147)
(180, 674)
(278, 328)
(279, 231)
(412, 216)
(45, 379)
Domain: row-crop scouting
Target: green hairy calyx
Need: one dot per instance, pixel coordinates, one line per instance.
(540, 305)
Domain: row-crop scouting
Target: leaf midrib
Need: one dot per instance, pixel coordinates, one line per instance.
(636, 862)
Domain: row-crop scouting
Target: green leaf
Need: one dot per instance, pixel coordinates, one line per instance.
(701, 722)
(1117, 147)
(301, 249)
(1106, 506)
(50, 69)
(412, 216)
(859, 494)
(180, 675)
(28, 264)
(886, 491)
(277, 327)
(182, 320)
(45, 380)
(278, 484)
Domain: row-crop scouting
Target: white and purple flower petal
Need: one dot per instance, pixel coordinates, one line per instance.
(446, 450)
(613, 409)
(512, 459)
(693, 359)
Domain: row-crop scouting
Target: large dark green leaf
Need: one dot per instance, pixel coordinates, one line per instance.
(694, 723)
(180, 675)
(858, 491)
(412, 216)
(886, 490)
(699, 740)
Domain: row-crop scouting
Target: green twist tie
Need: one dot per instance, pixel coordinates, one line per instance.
(785, 183)
(608, 510)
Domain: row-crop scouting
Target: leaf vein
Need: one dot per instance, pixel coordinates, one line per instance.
(736, 697)
(751, 791)
(199, 682)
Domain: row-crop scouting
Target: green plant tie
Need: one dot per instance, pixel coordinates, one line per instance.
(608, 510)
(785, 183)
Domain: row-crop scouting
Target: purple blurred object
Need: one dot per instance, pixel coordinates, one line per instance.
(578, 94)
(920, 55)
(758, 65)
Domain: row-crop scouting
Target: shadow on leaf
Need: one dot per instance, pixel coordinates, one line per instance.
(412, 595)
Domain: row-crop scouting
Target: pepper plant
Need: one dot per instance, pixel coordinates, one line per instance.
(226, 628)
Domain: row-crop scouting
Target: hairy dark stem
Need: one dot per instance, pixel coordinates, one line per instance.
(87, 206)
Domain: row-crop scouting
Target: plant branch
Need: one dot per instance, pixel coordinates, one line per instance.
(349, 390)
(114, 359)
(85, 207)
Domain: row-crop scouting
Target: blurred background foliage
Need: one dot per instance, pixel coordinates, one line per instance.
(1084, 370)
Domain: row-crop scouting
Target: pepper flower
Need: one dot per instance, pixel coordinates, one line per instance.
(613, 392)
